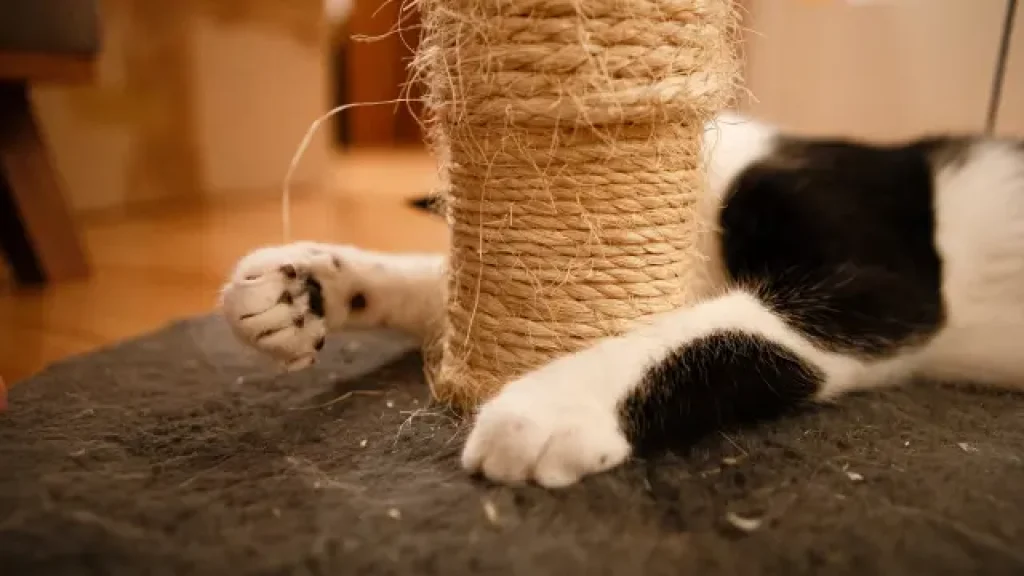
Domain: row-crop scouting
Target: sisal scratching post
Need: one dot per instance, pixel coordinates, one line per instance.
(568, 133)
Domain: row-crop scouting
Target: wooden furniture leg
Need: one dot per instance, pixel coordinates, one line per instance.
(36, 228)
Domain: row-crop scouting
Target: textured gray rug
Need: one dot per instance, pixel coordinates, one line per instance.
(181, 453)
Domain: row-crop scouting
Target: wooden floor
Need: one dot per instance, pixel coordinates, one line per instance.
(167, 262)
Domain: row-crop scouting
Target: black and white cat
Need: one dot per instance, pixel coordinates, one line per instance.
(841, 266)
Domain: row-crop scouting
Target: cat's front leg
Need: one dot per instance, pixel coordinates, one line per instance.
(559, 423)
(284, 300)
(726, 361)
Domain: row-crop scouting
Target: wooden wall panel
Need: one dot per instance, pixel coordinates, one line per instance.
(873, 69)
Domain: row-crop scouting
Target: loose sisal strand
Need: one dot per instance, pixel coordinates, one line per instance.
(286, 189)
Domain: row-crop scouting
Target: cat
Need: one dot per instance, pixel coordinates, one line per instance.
(838, 265)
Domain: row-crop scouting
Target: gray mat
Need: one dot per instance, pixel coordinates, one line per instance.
(180, 453)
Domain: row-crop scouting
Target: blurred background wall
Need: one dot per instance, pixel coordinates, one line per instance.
(883, 68)
(191, 98)
(208, 98)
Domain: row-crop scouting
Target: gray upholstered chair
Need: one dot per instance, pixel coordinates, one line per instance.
(41, 41)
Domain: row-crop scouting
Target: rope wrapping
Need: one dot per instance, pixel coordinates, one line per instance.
(568, 134)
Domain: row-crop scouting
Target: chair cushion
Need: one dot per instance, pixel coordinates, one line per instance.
(49, 26)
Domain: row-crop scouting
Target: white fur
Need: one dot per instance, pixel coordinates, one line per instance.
(979, 213)
(252, 303)
(731, 143)
(560, 423)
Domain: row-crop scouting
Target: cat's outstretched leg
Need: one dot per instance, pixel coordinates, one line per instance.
(727, 361)
(284, 300)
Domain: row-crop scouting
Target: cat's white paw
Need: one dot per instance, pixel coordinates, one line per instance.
(284, 300)
(276, 301)
(544, 431)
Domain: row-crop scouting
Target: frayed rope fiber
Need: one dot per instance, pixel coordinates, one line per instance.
(568, 133)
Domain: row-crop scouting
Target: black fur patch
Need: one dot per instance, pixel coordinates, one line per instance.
(838, 238)
(357, 303)
(432, 204)
(725, 379)
(316, 297)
